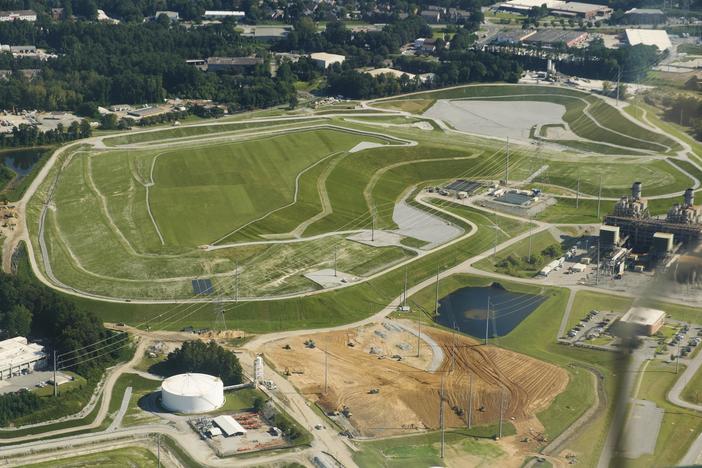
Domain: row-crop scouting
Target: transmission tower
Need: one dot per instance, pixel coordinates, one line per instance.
(220, 323)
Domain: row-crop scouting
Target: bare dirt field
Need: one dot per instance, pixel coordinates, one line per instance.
(408, 396)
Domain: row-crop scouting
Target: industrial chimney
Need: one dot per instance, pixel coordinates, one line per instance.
(689, 197)
(636, 190)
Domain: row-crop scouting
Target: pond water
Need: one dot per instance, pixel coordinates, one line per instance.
(466, 309)
(22, 161)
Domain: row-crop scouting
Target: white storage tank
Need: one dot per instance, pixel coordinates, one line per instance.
(192, 393)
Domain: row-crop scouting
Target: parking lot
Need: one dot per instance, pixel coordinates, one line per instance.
(684, 341)
(30, 381)
(593, 328)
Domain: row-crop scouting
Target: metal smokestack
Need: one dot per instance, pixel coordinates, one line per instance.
(689, 197)
(636, 190)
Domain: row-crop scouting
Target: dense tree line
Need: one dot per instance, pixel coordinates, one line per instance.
(598, 62)
(29, 135)
(207, 358)
(36, 311)
(456, 67)
(684, 110)
(361, 48)
(15, 405)
(132, 63)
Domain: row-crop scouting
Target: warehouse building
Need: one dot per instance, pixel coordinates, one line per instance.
(391, 72)
(229, 426)
(233, 64)
(640, 321)
(221, 14)
(266, 33)
(653, 37)
(18, 15)
(18, 355)
(580, 10)
(512, 36)
(325, 60)
(555, 37)
(645, 16)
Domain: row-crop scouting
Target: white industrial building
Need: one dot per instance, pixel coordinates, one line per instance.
(18, 15)
(654, 37)
(18, 354)
(325, 60)
(192, 393)
(229, 426)
(220, 14)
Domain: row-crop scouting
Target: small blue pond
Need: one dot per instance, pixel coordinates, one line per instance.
(465, 309)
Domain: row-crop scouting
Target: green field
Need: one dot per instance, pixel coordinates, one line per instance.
(130, 222)
(658, 177)
(423, 450)
(119, 458)
(515, 260)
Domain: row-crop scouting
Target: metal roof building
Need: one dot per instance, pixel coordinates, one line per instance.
(326, 60)
(641, 321)
(17, 354)
(654, 37)
(229, 425)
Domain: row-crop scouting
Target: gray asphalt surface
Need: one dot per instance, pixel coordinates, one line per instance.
(642, 427)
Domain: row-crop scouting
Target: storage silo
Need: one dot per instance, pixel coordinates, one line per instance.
(192, 393)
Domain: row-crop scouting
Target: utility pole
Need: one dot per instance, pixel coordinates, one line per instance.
(531, 229)
(619, 77)
(55, 384)
(597, 275)
(577, 195)
(502, 402)
(487, 320)
(419, 329)
(326, 365)
(373, 225)
(507, 164)
(436, 298)
(158, 449)
(494, 247)
(470, 401)
(677, 359)
(237, 282)
(599, 198)
(404, 295)
(335, 249)
(441, 414)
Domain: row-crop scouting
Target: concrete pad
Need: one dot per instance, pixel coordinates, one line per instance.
(365, 145)
(501, 119)
(641, 431)
(417, 223)
(326, 278)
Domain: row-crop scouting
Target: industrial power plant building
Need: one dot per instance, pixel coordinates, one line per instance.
(18, 355)
(640, 321)
(630, 222)
(192, 393)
